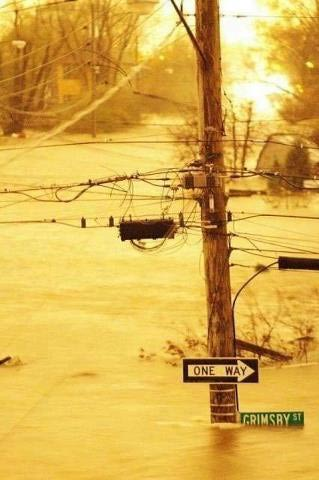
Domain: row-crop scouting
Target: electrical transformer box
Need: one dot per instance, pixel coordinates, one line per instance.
(197, 180)
(143, 229)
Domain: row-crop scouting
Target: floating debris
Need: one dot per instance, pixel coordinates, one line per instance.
(4, 360)
(11, 361)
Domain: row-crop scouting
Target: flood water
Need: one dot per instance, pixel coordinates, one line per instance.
(78, 304)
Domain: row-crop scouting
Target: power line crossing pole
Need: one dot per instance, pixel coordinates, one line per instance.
(221, 334)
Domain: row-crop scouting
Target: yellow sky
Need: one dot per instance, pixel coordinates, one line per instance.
(233, 29)
(240, 34)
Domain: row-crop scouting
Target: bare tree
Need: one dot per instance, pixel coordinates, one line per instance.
(43, 39)
(239, 124)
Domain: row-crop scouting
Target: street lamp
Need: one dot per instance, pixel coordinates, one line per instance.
(19, 44)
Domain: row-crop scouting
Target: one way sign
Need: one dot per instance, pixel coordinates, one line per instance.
(220, 370)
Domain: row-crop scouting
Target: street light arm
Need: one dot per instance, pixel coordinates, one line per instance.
(247, 283)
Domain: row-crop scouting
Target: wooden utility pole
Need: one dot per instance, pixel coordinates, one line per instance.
(93, 66)
(221, 334)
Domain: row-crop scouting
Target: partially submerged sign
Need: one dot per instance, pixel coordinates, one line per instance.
(273, 419)
(220, 370)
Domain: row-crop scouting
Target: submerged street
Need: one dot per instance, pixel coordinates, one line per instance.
(77, 305)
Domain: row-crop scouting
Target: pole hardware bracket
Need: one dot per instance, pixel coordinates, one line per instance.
(214, 156)
(198, 179)
(196, 163)
(216, 219)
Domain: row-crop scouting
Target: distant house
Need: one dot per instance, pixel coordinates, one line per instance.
(274, 154)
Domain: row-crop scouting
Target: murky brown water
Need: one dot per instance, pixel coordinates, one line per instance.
(76, 306)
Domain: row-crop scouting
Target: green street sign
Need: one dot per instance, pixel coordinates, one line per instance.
(273, 419)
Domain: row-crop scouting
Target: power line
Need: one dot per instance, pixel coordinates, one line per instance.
(160, 142)
(39, 5)
(50, 62)
(56, 59)
(294, 239)
(34, 87)
(275, 250)
(96, 103)
(56, 190)
(188, 30)
(278, 229)
(243, 16)
(54, 42)
(274, 176)
(42, 5)
(15, 2)
(257, 254)
(255, 215)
